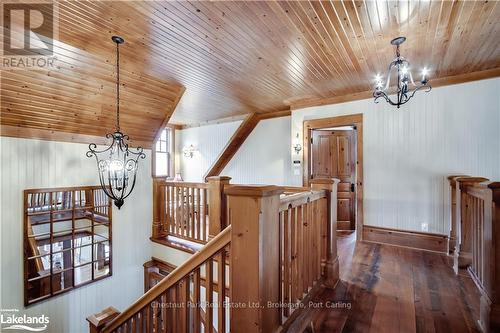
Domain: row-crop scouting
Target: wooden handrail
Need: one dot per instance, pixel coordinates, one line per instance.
(183, 184)
(211, 248)
(300, 198)
(294, 189)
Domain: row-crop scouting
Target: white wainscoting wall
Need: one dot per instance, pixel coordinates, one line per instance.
(408, 153)
(39, 164)
(264, 158)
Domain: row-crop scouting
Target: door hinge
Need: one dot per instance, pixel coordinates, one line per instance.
(352, 187)
(311, 140)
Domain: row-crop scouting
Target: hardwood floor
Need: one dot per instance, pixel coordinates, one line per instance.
(390, 289)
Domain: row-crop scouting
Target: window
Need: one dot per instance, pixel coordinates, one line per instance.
(162, 157)
(67, 240)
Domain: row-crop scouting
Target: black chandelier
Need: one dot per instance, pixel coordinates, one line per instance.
(404, 77)
(117, 165)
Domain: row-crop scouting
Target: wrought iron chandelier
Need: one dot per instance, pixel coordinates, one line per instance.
(403, 91)
(117, 164)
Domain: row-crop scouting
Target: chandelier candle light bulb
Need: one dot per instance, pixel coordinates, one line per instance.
(425, 72)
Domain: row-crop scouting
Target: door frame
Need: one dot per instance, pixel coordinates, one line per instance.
(347, 120)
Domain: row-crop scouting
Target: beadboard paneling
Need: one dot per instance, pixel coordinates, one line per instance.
(33, 164)
(209, 141)
(264, 158)
(409, 152)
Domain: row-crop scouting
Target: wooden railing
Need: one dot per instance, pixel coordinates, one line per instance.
(277, 278)
(190, 211)
(482, 205)
(302, 245)
(282, 249)
(184, 301)
(460, 233)
(477, 220)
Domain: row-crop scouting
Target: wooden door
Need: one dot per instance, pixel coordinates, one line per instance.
(333, 156)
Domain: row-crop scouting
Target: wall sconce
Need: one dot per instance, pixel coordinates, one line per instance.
(189, 151)
(297, 146)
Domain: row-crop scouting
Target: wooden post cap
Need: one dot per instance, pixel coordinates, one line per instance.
(325, 181)
(484, 185)
(451, 177)
(218, 178)
(100, 319)
(253, 190)
(494, 185)
(471, 179)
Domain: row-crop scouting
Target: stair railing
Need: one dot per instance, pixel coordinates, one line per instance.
(190, 211)
(177, 302)
(276, 236)
(460, 244)
(481, 207)
(305, 242)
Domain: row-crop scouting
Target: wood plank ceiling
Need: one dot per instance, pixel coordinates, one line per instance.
(236, 57)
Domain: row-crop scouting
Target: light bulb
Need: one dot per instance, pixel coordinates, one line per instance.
(378, 81)
(425, 71)
(404, 70)
(116, 166)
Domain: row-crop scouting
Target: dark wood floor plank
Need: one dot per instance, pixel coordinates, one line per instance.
(391, 289)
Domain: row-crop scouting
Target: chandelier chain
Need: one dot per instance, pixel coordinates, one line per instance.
(117, 87)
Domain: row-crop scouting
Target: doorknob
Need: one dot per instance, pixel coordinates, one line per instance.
(352, 187)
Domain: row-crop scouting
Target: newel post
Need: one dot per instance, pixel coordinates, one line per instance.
(331, 272)
(253, 212)
(155, 232)
(216, 204)
(99, 320)
(452, 244)
(494, 316)
(463, 254)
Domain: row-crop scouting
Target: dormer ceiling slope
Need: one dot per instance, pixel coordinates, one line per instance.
(234, 58)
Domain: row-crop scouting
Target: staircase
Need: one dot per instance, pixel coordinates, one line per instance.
(268, 249)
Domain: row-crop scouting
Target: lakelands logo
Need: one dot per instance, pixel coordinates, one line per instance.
(29, 31)
(11, 320)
